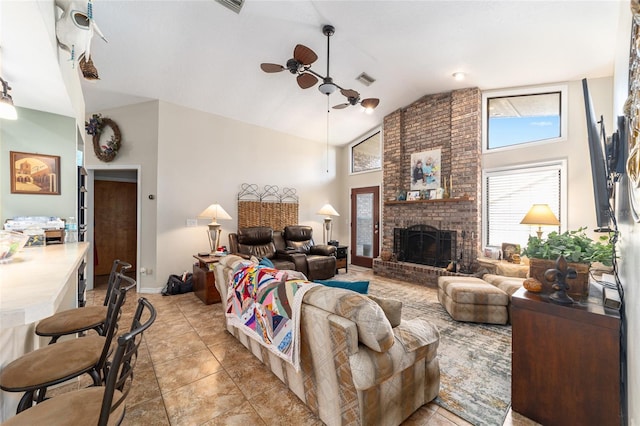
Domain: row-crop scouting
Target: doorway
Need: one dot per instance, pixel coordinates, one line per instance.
(114, 222)
(365, 225)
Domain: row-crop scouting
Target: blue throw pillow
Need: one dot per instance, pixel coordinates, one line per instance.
(357, 286)
(266, 262)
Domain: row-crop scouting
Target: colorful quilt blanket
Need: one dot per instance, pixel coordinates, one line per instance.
(265, 305)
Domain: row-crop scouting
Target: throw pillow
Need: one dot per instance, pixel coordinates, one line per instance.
(361, 287)
(392, 309)
(266, 262)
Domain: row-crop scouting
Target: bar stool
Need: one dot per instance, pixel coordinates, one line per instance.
(79, 320)
(99, 405)
(35, 371)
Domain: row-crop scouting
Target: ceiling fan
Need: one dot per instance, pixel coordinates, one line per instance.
(300, 64)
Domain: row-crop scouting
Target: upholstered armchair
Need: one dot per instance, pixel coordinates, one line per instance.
(319, 262)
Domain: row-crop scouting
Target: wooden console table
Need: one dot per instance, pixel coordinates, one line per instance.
(204, 281)
(566, 361)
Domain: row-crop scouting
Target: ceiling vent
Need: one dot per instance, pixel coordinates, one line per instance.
(234, 5)
(365, 79)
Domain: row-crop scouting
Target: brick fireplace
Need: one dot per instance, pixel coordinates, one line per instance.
(452, 122)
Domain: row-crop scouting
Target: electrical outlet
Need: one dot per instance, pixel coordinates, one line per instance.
(191, 223)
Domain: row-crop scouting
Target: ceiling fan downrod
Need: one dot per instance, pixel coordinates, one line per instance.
(328, 86)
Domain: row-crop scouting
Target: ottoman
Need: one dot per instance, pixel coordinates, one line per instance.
(471, 299)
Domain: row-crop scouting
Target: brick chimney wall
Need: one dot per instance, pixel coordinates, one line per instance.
(452, 122)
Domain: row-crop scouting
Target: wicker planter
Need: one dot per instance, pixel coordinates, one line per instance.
(578, 287)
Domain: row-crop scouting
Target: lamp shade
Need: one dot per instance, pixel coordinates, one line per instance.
(540, 214)
(7, 110)
(215, 212)
(328, 210)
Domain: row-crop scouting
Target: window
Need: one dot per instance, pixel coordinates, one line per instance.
(516, 117)
(366, 155)
(509, 193)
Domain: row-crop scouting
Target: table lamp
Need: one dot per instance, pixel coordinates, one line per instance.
(215, 212)
(540, 214)
(328, 211)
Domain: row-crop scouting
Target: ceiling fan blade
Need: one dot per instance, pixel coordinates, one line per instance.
(370, 103)
(341, 106)
(272, 67)
(350, 93)
(304, 55)
(306, 80)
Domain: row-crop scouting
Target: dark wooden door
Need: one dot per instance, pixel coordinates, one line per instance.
(365, 225)
(115, 225)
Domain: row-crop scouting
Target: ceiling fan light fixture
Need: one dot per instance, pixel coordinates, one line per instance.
(327, 87)
(459, 76)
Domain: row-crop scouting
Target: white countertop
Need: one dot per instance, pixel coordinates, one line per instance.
(33, 284)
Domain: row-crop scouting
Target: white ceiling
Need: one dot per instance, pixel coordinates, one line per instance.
(201, 55)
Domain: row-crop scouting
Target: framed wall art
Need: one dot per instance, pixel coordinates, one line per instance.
(413, 195)
(425, 170)
(34, 173)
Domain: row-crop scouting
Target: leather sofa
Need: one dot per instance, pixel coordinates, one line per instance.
(258, 241)
(292, 249)
(360, 362)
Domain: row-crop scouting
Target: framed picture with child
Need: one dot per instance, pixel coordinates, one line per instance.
(425, 170)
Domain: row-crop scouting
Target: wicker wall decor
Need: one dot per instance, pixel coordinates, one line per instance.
(267, 206)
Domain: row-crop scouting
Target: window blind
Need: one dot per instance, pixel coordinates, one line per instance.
(510, 194)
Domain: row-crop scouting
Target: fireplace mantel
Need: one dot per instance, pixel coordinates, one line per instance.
(436, 200)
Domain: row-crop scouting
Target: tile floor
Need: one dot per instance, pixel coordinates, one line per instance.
(190, 371)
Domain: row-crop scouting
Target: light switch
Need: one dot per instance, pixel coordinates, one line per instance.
(191, 223)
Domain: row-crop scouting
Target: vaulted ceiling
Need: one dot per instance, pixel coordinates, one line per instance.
(201, 55)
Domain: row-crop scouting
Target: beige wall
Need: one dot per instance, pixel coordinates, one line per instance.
(138, 125)
(204, 159)
(628, 247)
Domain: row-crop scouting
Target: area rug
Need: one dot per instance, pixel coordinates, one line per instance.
(475, 359)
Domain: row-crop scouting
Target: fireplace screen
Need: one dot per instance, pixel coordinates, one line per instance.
(425, 245)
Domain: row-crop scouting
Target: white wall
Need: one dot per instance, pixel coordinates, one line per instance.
(203, 158)
(580, 203)
(629, 243)
(42, 133)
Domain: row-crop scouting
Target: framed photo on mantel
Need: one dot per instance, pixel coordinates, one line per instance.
(34, 173)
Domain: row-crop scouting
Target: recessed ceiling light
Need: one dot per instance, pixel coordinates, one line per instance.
(458, 75)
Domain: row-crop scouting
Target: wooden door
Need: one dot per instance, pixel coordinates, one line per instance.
(365, 225)
(115, 225)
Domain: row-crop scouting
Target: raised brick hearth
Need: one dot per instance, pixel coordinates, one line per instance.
(411, 272)
(452, 122)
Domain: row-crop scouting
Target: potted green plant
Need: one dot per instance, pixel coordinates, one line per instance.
(578, 249)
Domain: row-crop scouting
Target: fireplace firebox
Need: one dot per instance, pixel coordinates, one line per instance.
(425, 245)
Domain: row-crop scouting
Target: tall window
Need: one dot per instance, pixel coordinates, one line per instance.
(509, 193)
(366, 155)
(520, 116)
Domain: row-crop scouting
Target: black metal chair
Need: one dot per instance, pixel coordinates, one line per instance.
(36, 371)
(83, 319)
(99, 405)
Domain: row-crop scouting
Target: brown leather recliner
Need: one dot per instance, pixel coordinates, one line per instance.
(320, 260)
(258, 241)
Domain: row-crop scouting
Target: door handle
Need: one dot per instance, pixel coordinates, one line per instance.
(375, 228)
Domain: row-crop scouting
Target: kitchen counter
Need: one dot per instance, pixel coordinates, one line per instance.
(33, 286)
(39, 282)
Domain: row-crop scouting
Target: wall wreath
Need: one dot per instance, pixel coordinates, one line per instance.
(98, 126)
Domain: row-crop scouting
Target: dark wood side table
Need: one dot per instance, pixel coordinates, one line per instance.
(566, 361)
(341, 258)
(204, 281)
